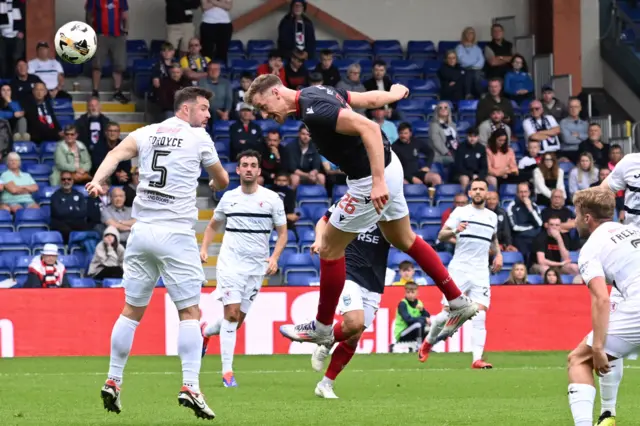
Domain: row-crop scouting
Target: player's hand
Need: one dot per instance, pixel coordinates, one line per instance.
(315, 247)
(461, 227)
(273, 265)
(379, 195)
(496, 266)
(601, 362)
(204, 255)
(95, 189)
(399, 91)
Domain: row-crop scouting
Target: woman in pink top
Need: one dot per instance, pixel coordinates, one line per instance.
(501, 159)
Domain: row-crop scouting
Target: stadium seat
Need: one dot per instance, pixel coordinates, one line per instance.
(499, 278)
(267, 125)
(332, 45)
(6, 263)
(21, 264)
(312, 194)
(420, 129)
(137, 47)
(298, 263)
(290, 128)
(429, 233)
(446, 45)
(468, 105)
(567, 279)
(39, 172)
(463, 126)
(415, 193)
(388, 47)
(6, 220)
(221, 127)
(566, 167)
(338, 192)
(357, 49)
(447, 192)
(218, 194)
(509, 258)
(260, 47)
(534, 279)
(62, 105)
(243, 65)
(302, 278)
(155, 47)
(27, 150)
(394, 259)
(44, 194)
(421, 49)
(445, 257)
(431, 67)
(111, 282)
(574, 256)
(406, 68)
(412, 109)
(312, 213)
(75, 282)
(428, 215)
(32, 218)
(46, 237)
(72, 263)
(141, 70)
(424, 89)
(79, 240)
(306, 240)
(222, 148)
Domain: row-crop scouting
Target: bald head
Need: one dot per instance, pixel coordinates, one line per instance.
(117, 197)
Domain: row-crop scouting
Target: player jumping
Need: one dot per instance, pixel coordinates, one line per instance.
(251, 212)
(474, 229)
(162, 242)
(611, 254)
(366, 262)
(375, 195)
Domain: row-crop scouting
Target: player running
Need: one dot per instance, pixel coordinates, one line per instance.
(610, 255)
(474, 229)
(366, 261)
(375, 194)
(162, 242)
(251, 212)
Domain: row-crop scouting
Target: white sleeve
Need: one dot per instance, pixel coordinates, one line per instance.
(31, 69)
(552, 120)
(589, 263)
(453, 220)
(528, 128)
(277, 213)
(218, 213)
(59, 67)
(139, 135)
(208, 153)
(616, 178)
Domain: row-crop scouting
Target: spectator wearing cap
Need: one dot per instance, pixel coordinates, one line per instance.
(49, 70)
(493, 123)
(42, 123)
(273, 157)
(18, 186)
(46, 271)
(238, 94)
(22, 83)
(161, 69)
(110, 20)
(295, 72)
(165, 93)
(408, 149)
(330, 73)
(351, 82)
(222, 101)
(470, 160)
(274, 65)
(118, 215)
(315, 79)
(73, 156)
(179, 19)
(296, 32)
(216, 28)
(68, 208)
(492, 99)
(573, 131)
(388, 128)
(108, 258)
(245, 133)
(552, 105)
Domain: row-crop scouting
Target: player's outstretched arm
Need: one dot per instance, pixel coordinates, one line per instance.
(605, 184)
(125, 150)
(378, 98)
(219, 176)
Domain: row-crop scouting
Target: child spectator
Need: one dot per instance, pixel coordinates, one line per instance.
(296, 73)
(274, 66)
(529, 162)
(161, 68)
(518, 274)
(45, 271)
(518, 84)
(407, 274)
(238, 94)
(412, 319)
(330, 74)
(11, 111)
(109, 256)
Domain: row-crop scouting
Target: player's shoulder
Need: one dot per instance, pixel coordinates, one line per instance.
(597, 241)
(629, 161)
(269, 194)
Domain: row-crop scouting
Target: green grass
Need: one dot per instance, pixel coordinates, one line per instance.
(523, 389)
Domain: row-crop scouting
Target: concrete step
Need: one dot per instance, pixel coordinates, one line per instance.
(122, 117)
(204, 214)
(216, 238)
(107, 107)
(204, 201)
(105, 95)
(84, 84)
(130, 127)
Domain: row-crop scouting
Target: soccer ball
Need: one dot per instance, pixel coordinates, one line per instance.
(76, 42)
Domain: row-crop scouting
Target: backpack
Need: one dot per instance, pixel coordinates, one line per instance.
(6, 138)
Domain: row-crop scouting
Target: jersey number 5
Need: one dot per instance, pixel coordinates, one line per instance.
(161, 169)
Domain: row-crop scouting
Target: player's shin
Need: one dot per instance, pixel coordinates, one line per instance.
(581, 397)
(609, 384)
(228, 331)
(332, 277)
(190, 352)
(431, 264)
(121, 341)
(340, 358)
(478, 334)
(213, 329)
(437, 324)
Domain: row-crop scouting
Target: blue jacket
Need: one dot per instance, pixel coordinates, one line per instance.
(70, 207)
(515, 81)
(7, 112)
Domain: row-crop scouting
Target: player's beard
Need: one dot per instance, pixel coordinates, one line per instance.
(478, 203)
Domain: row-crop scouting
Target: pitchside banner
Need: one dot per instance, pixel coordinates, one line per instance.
(70, 322)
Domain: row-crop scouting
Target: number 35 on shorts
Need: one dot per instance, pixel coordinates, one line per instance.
(348, 203)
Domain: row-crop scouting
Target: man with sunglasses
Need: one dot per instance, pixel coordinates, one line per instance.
(68, 208)
(543, 128)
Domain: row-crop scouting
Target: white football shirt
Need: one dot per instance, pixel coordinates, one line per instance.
(626, 175)
(472, 244)
(170, 156)
(250, 220)
(613, 252)
(47, 70)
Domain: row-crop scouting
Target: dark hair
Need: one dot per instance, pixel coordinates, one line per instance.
(553, 216)
(62, 172)
(249, 153)
(302, 127)
(246, 74)
(190, 94)
(405, 264)
(274, 130)
(549, 173)
(410, 283)
(497, 25)
(379, 62)
(214, 63)
(3, 103)
(525, 67)
(326, 52)
(315, 77)
(70, 128)
(554, 270)
(593, 123)
(473, 131)
(492, 144)
(479, 180)
(167, 46)
(461, 194)
(404, 126)
(280, 174)
(498, 79)
(574, 98)
(614, 146)
(275, 53)
(113, 124)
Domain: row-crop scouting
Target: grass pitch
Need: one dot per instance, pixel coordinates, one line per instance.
(523, 389)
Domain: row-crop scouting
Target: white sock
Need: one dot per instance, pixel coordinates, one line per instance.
(459, 302)
(121, 340)
(437, 323)
(213, 329)
(326, 380)
(190, 352)
(581, 399)
(478, 334)
(227, 344)
(609, 385)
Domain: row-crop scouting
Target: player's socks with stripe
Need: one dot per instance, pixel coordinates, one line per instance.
(431, 264)
(333, 274)
(581, 397)
(190, 352)
(227, 345)
(339, 360)
(609, 384)
(121, 341)
(478, 335)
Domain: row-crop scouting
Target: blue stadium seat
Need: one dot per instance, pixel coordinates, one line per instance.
(508, 191)
(509, 258)
(39, 172)
(567, 279)
(236, 50)
(446, 45)
(427, 88)
(420, 128)
(312, 194)
(311, 213)
(574, 256)
(412, 109)
(137, 47)
(155, 47)
(6, 220)
(447, 192)
(421, 49)
(222, 148)
(62, 105)
(534, 279)
(290, 128)
(46, 237)
(406, 68)
(111, 282)
(218, 194)
(445, 257)
(260, 47)
(463, 126)
(343, 65)
(76, 282)
(468, 105)
(141, 70)
(394, 259)
(27, 150)
(72, 263)
(21, 264)
(267, 125)
(499, 278)
(79, 239)
(416, 193)
(338, 192)
(6, 263)
(428, 215)
(431, 68)
(32, 218)
(357, 49)
(243, 65)
(81, 189)
(44, 194)
(302, 278)
(48, 149)
(566, 167)
(429, 233)
(332, 45)
(306, 240)
(221, 127)
(387, 49)
(301, 262)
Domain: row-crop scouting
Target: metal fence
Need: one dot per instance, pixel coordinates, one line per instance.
(526, 46)
(625, 143)
(509, 25)
(542, 71)
(562, 86)
(605, 124)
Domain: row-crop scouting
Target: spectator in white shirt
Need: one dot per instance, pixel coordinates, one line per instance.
(541, 127)
(583, 175)
(49, 70)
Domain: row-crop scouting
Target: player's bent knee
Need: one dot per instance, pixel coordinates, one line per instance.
(353, 324)
(133, 312)
(186, 313)
(232, 313)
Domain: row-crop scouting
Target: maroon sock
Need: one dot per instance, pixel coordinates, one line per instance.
(333, 273)
(339, 360)
(430, 263)
(338, 334)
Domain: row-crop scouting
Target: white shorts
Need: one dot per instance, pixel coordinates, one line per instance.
(355, 213)
(237, 288)
(155, 251)
(476, 286)
(357, 298)
(623, 335)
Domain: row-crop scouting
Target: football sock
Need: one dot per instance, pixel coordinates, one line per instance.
(333, 273)
(581, 399)
(609, 384)
(339, 360)
(190, 352)
(478, 334)
(338, 334)
(227, 344)
(121, 340)
(213, 329)
(437, 324)
(431, 264)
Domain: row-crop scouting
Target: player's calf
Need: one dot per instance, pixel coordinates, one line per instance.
(581, 391)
